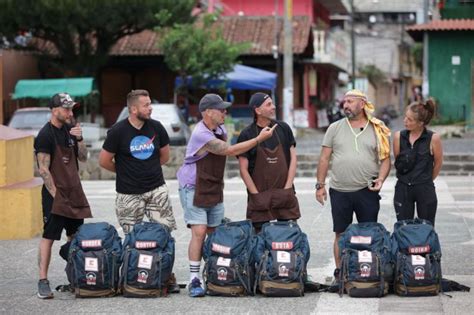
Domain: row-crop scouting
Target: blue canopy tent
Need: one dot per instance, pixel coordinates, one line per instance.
(241, 78)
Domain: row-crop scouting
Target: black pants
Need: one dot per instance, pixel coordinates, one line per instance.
(365, 203)
(423, 195)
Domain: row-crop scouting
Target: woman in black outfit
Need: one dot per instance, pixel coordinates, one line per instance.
(418, 159)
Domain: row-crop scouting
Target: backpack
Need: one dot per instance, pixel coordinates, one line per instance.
(229, 268)
(94, 260)
(418, 258)
(148, 259)
(282, 253)
(366, 260)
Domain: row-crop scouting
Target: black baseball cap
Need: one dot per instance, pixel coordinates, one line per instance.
(62, 100)
(212, 101)
(258, 99)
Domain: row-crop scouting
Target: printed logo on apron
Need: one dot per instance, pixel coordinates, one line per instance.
(142, 147)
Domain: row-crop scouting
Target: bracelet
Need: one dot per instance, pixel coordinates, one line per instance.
(79, 140)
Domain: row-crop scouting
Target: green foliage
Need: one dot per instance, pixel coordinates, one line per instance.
(373, 73)
(199, 50)
(417, 53)
(83, 31)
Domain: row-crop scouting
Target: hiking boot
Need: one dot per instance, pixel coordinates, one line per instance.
(173, 286)
(195, 288)
(44, 291)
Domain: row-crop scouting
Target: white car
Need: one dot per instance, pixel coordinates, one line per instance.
(170, 117)
(32, 119)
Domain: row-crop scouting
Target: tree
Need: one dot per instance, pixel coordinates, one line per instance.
(84, 31)
(199, 50)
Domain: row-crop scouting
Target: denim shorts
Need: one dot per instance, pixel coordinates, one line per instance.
(193, 215)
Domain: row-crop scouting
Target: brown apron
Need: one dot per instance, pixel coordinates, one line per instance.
(209, 189)
(269, 175)
(70, 200)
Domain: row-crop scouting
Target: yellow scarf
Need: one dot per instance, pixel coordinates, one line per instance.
(381, 131)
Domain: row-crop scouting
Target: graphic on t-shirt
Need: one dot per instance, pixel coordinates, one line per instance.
(142, 147)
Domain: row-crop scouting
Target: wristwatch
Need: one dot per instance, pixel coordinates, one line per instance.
(318, 186)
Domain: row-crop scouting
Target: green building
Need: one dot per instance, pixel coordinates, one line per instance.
(450, 43)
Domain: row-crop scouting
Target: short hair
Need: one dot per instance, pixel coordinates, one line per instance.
(133, 96)
(424, 111)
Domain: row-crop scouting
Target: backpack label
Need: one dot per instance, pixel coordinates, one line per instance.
(419, 273)
(221, 261)
(91, 264)
(222, 274)
(282, 245)
(145, 244)
(142, 276)
(365, 256)
(91, 243)
(283, 257)
(220, 248)
(417, 260)
(361, 239)
(91, 278)
(283, 270)
(419, 249)
(145, 261)
(365, 270)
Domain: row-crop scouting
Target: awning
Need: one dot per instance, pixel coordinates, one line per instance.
(48, 87)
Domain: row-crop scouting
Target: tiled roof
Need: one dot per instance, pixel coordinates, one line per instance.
(416, 31)
(444, 25)
(259, 31)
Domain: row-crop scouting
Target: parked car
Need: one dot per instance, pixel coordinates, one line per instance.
(171, 118)
(32, 119)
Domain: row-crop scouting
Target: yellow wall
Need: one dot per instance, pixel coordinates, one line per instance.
(16, 160)
(20, 211)
(20, 192)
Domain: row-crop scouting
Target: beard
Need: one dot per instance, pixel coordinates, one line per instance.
(142, 117)
(349, 114)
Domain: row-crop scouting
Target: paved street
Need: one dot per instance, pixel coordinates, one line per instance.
(455, 225)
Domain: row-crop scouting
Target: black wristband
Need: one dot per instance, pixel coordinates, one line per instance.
(79, 139)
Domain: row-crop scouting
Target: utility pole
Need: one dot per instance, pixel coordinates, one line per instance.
(425, 87)
(288, 65)
(353, 50)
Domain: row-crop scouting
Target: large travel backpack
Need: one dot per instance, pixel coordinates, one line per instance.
(282, 253)
(418, 258)
(148, 260)
(229, 268)
(366, 260)
(94, 260)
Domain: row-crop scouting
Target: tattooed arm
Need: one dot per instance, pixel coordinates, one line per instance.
(44, 161)
(82, 151)
(220, 147)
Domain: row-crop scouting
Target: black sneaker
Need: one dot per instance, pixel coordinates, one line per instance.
(44, 291)
(173, 286)
(334, 287)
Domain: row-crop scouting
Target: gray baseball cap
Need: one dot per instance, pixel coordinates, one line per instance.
(212, 101)
(62, 100)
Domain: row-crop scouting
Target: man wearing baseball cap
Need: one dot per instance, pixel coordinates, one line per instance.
(268, 169)
(201, 178)
(58, 146)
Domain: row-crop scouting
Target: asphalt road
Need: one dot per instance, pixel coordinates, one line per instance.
(455, 226)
